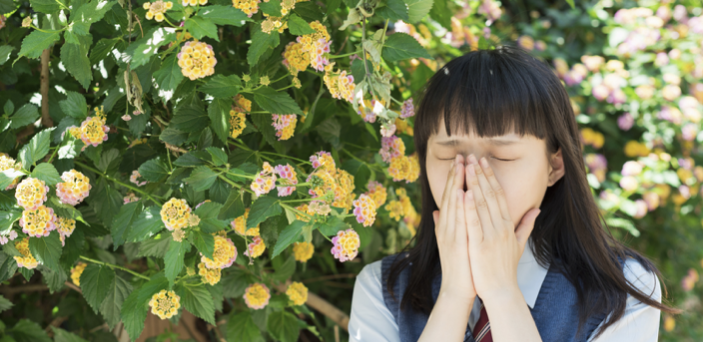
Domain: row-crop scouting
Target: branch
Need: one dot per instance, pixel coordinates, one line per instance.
(44, 89)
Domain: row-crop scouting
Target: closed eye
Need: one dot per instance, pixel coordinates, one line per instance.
(505, 160)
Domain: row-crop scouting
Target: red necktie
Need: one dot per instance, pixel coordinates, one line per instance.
(482, 329)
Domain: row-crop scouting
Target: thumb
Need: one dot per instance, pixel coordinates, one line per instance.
(435, 216)
(527, 224)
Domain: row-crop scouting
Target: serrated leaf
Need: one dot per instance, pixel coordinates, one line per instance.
(28, 331)
(190, 118)
(219, 157)
(298, 26)
(47, 250)
(133, 313)
(95, 282)
(123, 222)
(201, 178)
(36, 149)
(241, 327)
(75, 58)
(61, 335)
(74, 105)
(260, 42)
(102, 49)
(394, 10)
(106, 201)
(418, 9)
(155, 248)
(149, 46)
(283, 326)
(24, 116)
(147, 224)
(173, 260)
(287, 236)
(91, 12)
(400, 46)
(154, 170)
(5, 304)
(198, 301)
(218, 112)
(173, 136)
(169, 75)
(204, 242)
(45, 6)
(110, 308)
(224, 15)
(276, 102)
(271, 8)
(36, 42)
(47, 173)
(221, 86)
(5, 52)
(263, 208)
(201, 27)
(208, 214)
(54, 280)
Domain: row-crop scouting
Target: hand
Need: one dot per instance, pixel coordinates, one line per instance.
(452, 236)
(495, 246)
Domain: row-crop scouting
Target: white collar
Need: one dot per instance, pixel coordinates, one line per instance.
(530, 275)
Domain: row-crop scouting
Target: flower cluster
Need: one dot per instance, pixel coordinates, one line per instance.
(130, 198)
(597, 165)
(26, 260)
(134, 178)
(287, 178)
(65, 227)
(305, 208)
(7, 163)
(165, 304)
(237, 116)
(255, 248)
(365, 210)
(591, 137)
(391, 147)
(239, 225)
(224, 255)
(76, 272)
(294, 59)
(38, 222)
(635, 148)
(10, 237)
(690, 280)
(265, 180)
(366, 110)
(74, 188)
(340, 85)
(93, 129)
(249, 7)
(297, 293)
(407, 109)
(402, 208)
(273, 23)
(31, 193)
(302, 251)
(405, 168)
(346, 245)
(323, 160)
(193, 2)
(284, 125)
(316, 45)
(343, 191)
(257, 296)
(377, 192)
(156, 9)
(176, 214)
(197, 60)
(209, 275)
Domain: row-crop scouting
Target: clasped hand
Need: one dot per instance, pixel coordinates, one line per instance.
(478, 243)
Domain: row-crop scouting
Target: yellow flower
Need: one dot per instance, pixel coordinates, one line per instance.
(297, 292)
(340, 85)
(31, 193)
(400, 168)
(395, 209)
(165, 304)
(634, 148)
(156, 9)
(669, 323)
(255, 248)
(344, 185)
(74, 188)
(302, 251)
(65, 226)
(197, 60)
(175, 214)
(294, 58)
(257, 296)
(243, 103)
(76, 272)
(377, 192)
(346, 245)
(224, 255)
(193, 2)
(26, 260)
(239, 224)
(306, 209)
(38, 222)
(249, 7)
(93, 130)
(209, 275)
(7, 163)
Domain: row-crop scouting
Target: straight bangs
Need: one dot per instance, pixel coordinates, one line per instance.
(489, 93)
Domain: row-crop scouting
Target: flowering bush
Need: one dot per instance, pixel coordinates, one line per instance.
(160, 199)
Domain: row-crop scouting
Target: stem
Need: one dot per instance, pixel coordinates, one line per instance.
(295, 210)
(286, 87)
(289, 157)
(230, 182)
(363, 53)
(344, 55)
(143, 193)
(48, 31)
(114, 267)
(235, 174)
(53, 154)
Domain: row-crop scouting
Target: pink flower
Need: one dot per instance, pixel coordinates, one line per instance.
(631, 168)
(134, 176)
(346, 245)
(287, 177)
(391, 147)
(365, 210)
(408, 109)
(641, 208)
(387, 129)
(626, 121)
(264, 181)
(689, 131)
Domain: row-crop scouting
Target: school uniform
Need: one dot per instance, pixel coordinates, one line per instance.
(376, 317)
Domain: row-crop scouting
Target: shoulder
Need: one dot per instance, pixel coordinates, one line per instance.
(642, 279)
(370, 320)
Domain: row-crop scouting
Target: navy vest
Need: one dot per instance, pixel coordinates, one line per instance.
(555, 311)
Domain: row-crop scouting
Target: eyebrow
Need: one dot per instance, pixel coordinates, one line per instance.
(491, 141)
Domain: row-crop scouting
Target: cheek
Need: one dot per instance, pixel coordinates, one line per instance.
(437, 177)
(524, 189)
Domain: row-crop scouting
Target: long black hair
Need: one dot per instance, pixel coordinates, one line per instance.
(488, 92)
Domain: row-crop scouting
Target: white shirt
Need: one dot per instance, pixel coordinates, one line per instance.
(371, 321)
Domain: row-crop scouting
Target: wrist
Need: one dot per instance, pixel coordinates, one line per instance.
(501, 297)
(460, 294)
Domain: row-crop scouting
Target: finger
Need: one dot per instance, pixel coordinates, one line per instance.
(527, 224)
(460, 230)
(447, 196)
(488, 195)
(497, 190)
(451, 214)
(480, 202)
(473, 223)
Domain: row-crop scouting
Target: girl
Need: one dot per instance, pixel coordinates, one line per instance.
(501, 166)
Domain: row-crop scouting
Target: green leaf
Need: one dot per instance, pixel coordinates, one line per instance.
(8, 266)
(95, 282)
(218, 112)
(190, 118)
(5, 52)
(260, 42)
(219, 157)
(91, 12)
(133, 313)
(441, 13)
(9, 107)
(47, 250)
(36, 42)
(283, 326)
(198, 301)
(74, 105)
(54, 280)
(169, 75)
(224, 15)
(7, 176)
(106, 201)
(45, 6)
(418, 9)
(118, 290)
(201, 27)
(36, 149)
(201, 178)
(400, 46)
(297, 26)
(5, 304)
(287, 236)
(75, 58)
(220, 86)
(263, 208)
(173, 260)
(154, 170)
(147, 224)
(241, 327)
(394, 10)
(47, 173)
(271, 7)
(173, 136)
(276, 102)
(102, 49)
(122, 223)
(61, 335)
(571, 3)
(208, 214)
(24, 116)
(155, 247)
(28, 331)
(204, 242)
(149, 45)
